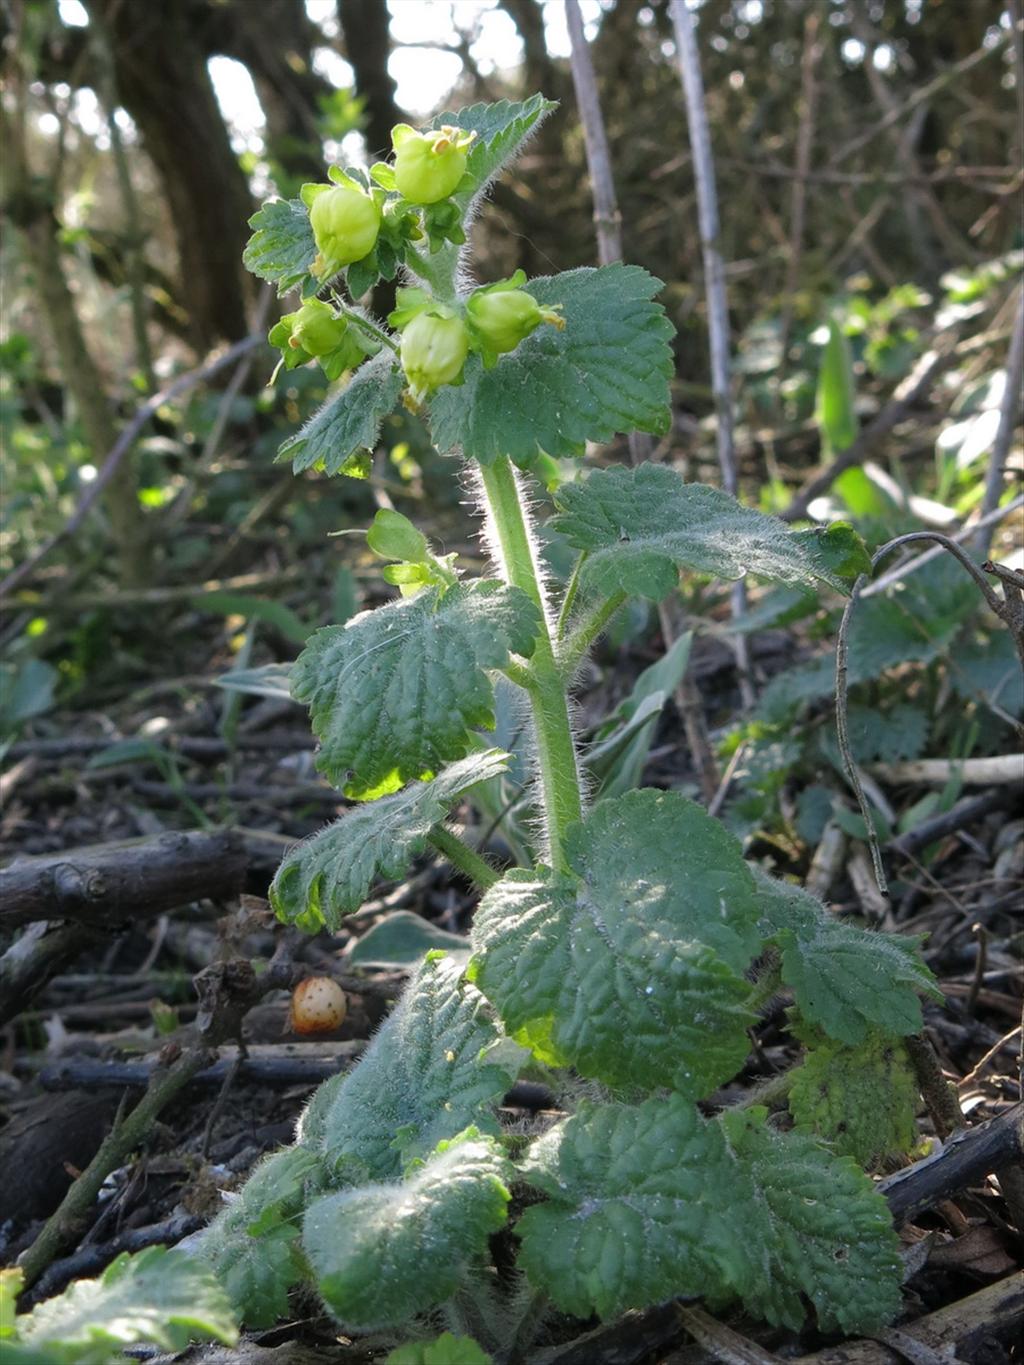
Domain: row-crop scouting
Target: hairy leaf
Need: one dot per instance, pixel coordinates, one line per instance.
(846, 980)
(396, 692)
(340, 436)
(641, 526)
(862, 1100)
(501, 129)
(251, 1246)
(443, 1350)
(632, 973)
(607, 371)
(383, 1253)
(158, 1296)
(330, 875)
(874, 734)
(281, 248)
(810, 1223)
(652, 1201)
(437, 1065)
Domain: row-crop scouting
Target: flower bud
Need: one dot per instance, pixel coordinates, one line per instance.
(345, 224)
(502, 318)
(316, 329)
(428, 166)
(434, 350)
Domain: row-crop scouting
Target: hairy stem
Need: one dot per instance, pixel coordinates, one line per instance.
(587, 632)
(556, 753)
(463, 857)
(569, 600)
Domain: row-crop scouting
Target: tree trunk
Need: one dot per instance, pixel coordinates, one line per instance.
(28, 202)
(160, 56)
(364, 24)
(275, 40)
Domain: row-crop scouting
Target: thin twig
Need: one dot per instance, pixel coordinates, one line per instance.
(180, 507)
(227, 991)
(843, 734)
(921, 96)
(715, 293)
(608, 223)
(1008, 418)
(982, 1062)
(912, 565)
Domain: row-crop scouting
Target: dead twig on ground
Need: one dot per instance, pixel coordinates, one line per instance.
(105, 884)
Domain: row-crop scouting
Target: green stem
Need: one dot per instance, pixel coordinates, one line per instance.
(365, 324)
(587, 632)
(570, 597)
(463, 857)
(556, 753)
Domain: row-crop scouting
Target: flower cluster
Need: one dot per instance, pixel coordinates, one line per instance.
(406, 203)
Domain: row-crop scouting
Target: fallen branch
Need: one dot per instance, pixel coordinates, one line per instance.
(275, 1065)
(964, 813)
(965, 1158)
(106, 884)
(957, 1332)
(90, 1260)
(1002, 770)
(283, 1065)
(36, 956)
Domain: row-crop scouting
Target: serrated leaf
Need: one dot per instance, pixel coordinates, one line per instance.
(330, 875)
(158, 1296)
(281, 248)
(340, 436)
(383, 1253)
(861, 1100)
(607, 371)
(846, 980)
(631, 969)
(899, 733)
(652, 1201)
(501, 129)
(437, 1065)
(811, 1224)
(251, 1246)
(443, 1350)
(396, 692)
(641, 526)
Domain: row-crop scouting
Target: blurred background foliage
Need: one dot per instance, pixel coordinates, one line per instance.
(868, 158)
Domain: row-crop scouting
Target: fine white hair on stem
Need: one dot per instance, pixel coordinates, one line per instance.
(491, 543)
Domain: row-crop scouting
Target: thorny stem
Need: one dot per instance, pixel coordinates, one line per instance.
(556, 752)
(460, 855)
